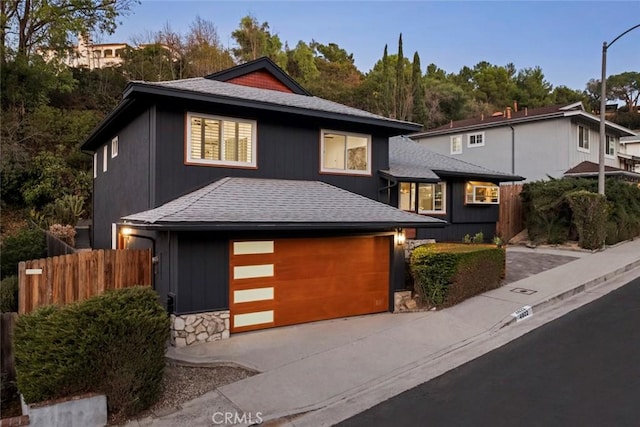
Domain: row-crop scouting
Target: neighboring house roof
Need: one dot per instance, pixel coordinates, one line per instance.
(630, 139)
(409, 160)
(249, 203)
(259, 64)
(590, 169)
(207, 90)
(521, 116)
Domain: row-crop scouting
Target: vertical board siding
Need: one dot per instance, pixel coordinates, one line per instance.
(510, 222)
(76, 277)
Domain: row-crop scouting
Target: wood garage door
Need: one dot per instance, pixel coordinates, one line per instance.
(289, 281)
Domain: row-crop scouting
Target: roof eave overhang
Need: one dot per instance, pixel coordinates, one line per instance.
(266, 226)
(136, 87)
(90, 143)
(595, 119)
(389, 175)
(489, 176)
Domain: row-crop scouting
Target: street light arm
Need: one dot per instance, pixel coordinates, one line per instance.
(630, 29)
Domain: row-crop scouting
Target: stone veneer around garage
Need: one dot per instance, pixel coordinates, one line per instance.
(196, 328)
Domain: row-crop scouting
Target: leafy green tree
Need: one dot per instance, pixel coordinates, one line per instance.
(255, 40)
(531, 88)
(399, 103)
(301, 64)
(565, 95)
(48, 24)
(593, 92)
(338, 78)
(625, 87)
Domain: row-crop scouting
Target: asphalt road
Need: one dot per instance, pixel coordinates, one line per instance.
(582, 369)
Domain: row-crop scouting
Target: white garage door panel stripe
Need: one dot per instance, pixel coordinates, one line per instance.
(248, 295)
(251, 271)
(250, 319)
(250, 248)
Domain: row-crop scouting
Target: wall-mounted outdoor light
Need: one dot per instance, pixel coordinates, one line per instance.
(400, 237)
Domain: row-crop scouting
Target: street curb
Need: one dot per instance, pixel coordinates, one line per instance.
(541, 305)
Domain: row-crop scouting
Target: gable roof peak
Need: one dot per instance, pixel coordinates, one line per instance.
(575, 106)
(263, 64)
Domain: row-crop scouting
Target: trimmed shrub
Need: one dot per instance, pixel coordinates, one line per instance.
(447, 274)
(28, 243)
(9, 294)
(112, 344)
(590, 211)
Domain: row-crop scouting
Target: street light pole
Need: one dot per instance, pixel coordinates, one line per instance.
(603, 105)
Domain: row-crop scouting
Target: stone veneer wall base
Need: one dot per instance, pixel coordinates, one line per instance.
(197, 328)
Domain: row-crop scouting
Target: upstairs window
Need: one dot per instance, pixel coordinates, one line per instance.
(583, 139)
(423, 198)
(346, 153)
(610, 148)
(456, 144)
(105, 153)
(114, 147)
(475, 139)
(220, 141)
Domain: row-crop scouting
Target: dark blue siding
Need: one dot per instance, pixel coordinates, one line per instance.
(202, 273)
(124, 188)
(287, 147)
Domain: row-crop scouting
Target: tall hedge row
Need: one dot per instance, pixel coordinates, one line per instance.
(112, 344)
(550, 218)
(448, 274)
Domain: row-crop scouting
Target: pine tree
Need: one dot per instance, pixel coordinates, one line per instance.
(418, 113)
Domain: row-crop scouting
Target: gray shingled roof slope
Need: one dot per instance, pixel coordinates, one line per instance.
(409, 159)
(213, 87)
(273, 201)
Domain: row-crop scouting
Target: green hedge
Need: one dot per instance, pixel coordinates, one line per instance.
(448, 274)
(590, 212)
(28, 243)
(549, 217)
(112, 344)
(9, 294)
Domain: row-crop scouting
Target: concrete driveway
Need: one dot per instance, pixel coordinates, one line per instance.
(523, 262)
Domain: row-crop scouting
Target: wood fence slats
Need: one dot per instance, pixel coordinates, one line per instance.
(78, 276)
(510, 222)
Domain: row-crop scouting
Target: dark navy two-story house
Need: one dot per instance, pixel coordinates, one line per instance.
(263, 205)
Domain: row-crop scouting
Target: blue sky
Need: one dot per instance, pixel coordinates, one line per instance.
(564, 38)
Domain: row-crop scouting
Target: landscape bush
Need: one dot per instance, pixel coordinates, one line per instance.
(112, 344)
(590, 212)
(28, 243)
(549, 218)
(9, 294)
(446, 274)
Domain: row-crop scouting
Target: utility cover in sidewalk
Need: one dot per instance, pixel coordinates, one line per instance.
(523, 291)
(523, 313)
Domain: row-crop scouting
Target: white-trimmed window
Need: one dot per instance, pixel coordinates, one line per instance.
(482, 193)
(456, 144)
(583, 139)
(95, 164)
(347, 153)
(423, 198)
(114, 147)
(475, 139)
(220, 141)
(610, 148)
(105, 153)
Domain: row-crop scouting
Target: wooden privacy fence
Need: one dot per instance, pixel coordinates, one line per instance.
(510, 222)
(75, 277)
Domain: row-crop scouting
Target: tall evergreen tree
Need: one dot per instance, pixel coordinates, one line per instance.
(399, 100)
(418, 113)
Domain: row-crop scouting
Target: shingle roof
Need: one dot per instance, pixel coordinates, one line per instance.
(246, 202)
(590, 169)
(412, 160)
(203, 85)
(520, 116)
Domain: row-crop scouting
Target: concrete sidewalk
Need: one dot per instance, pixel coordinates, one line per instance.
(308, 367)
